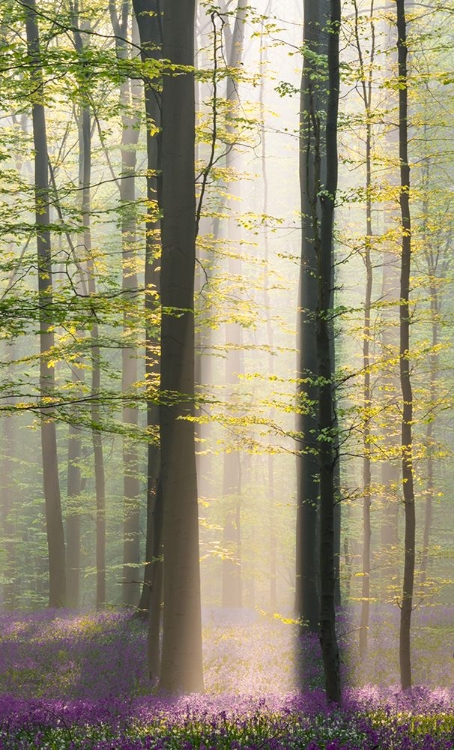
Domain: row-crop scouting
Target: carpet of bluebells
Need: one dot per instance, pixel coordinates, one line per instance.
(79, 681)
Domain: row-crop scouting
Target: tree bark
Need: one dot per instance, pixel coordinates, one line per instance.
(181, 666)
(366, 96)
(312, 167)
(326, 369)
(129, 139)
(54, 521)
(149, 21)
(404, 353)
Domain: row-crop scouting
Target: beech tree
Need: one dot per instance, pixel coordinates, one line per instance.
(181, 666)
(312, 176)
(54, 521)
(404, 355)
(327, 425)
(149, 21)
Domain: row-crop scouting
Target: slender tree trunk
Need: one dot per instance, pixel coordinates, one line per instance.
(9, 444)
(73, 518)
(367, 404)
(231, 489)
(405, 379)
(432, 260)
(181, 665)
(430, 482)
(326, 367)
(366, 95)
(54, 521)
(96, 417)
(89, 284)
(130, 135)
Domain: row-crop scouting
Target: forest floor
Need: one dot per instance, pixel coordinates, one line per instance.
(79, 681)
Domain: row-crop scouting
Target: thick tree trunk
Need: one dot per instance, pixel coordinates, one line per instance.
(181, 666)
(405, 379)
(54, 521)
(312, 175)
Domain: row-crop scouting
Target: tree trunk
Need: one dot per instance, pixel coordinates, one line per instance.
(181, 665)
(96, 418)
(73, 518)
(312, 175)
(54, 521)
(231, 489)
(149, 24)
(89, 284)
(326, 368)
(404, 352)
(130, 135)
(366, 95)
(9, 445)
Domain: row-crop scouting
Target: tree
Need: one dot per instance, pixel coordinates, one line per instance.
(149, 21)
(366, 81)
(54, 521)
(404, 355)
(181, 666)
(327, 425)
(312, 176)
(129, 98)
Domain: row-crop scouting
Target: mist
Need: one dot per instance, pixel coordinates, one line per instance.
(162, 387)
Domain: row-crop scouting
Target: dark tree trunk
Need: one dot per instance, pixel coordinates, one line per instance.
(149, 21)
(326, 367)
(54, 521)
(181, 665)
(405, 379)
(312, 175)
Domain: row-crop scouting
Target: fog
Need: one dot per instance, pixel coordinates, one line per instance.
(246, 316)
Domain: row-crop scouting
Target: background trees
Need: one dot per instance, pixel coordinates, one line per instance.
(82, 309)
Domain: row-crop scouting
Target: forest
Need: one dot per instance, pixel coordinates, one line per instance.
(226, 382)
